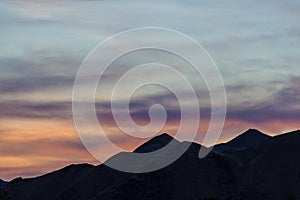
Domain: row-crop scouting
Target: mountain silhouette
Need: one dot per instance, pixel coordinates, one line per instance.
(250, 138)
(155, 143)
(267, 169)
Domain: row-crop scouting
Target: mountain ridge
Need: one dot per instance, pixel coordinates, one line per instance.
(164, 135)
(250, 173)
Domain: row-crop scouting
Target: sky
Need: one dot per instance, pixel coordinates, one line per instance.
(255, 44)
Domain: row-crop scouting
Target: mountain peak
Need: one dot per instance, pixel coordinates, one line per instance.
(163, 136)
(251, 130)
(249, 138)
(155, 143)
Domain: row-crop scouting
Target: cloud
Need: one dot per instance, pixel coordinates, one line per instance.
(38, 71)
(36, 110)
(32, 84)
(289, 96)
(283, 105)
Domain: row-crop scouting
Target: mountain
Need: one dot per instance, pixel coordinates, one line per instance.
(267, 170)
(101, 182)
(250, 138)
(2, 183)
(274, 171)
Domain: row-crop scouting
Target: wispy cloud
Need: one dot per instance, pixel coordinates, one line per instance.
(37, 110)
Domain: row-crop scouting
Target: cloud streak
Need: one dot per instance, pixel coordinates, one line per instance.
(282, 105)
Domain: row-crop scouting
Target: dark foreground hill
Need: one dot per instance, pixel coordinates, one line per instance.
(268, 169)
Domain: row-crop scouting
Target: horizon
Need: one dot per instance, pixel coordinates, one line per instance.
(240, 134)
(255, 45)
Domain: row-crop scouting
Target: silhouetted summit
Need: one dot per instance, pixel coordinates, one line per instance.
(155, 143)
(250, 138)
